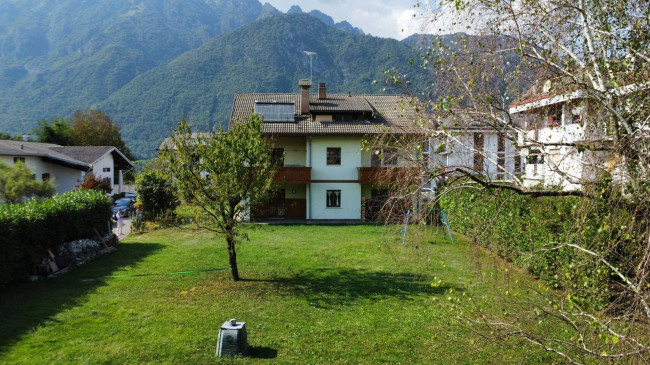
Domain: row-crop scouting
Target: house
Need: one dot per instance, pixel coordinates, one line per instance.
(324, 170)
(555, 125)
(66, 165)
(476, 147)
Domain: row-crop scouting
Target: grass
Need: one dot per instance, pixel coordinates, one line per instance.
(310, 294)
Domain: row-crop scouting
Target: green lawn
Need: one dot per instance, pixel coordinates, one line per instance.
(311, 294)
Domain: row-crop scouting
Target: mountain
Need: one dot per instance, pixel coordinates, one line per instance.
(345, 26)
(57, 56)
(264, 56)
(149, 62)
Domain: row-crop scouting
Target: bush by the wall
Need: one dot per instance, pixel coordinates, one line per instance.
(38, 225)
(528, 230)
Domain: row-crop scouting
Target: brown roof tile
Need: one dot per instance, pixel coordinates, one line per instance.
(380, 114)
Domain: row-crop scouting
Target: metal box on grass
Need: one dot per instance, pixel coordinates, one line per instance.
(232, 339)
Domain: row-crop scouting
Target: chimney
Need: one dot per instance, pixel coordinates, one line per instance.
(305, 85)
(26, 137)
(322, 91)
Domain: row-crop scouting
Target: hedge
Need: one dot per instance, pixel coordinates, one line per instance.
(526, 231)
(33, 227)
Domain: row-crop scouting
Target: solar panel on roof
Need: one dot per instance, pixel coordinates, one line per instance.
(275, 112)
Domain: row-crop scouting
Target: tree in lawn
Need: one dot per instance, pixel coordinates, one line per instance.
(222, 174)
(594, 54)
(17, 182)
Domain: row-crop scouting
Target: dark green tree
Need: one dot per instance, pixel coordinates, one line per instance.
(223, 174)
(57, 132)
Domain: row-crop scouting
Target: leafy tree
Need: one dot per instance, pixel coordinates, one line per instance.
(599, 51)
(58, 132)
(223, 174)
(17, 182)
(156, 193)
(95, 128)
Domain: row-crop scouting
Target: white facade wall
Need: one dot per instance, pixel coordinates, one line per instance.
(350, 201)
(563, 166)
(343, 177)
(104, 162)
(63, 178)
(350, 158)
(459, 152)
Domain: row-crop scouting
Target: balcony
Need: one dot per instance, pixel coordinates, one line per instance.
(388, 175)
(292, 175)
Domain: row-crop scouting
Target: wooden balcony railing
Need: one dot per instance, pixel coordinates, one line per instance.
(388, 175)
(292, 175)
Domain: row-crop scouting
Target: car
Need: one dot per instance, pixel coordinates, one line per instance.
(131, 196)
(126, 204)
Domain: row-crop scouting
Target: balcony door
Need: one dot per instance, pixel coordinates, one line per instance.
(277, 207)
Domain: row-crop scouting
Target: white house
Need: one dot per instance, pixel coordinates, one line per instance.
(324, 174)
(66, 165)
(466, 145)
(555, 125)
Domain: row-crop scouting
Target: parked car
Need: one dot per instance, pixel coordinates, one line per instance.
(131, 196)
(126, 204)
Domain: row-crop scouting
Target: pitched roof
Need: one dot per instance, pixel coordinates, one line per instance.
(90, 154)
(21, 148)
(80, 157)
(378, 114)
(87, 154)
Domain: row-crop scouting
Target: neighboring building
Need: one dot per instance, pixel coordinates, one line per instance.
(554, 125)
(477, 148)
(66, 165)
(323, 171)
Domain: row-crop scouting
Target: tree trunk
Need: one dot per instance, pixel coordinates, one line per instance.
(232, 255)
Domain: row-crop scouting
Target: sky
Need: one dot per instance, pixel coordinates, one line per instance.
(381, 18)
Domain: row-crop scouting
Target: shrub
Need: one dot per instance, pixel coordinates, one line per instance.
(525, 230)
(39, 225)
(156, 193)
(91, 182)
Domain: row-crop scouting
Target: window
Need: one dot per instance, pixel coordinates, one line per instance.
(107, 169)
(518, 160)
(389, 157)
(45, 177)
(554, 117)
(383, 157)
(375, 158)
(478, 154)
(333, 155)
(425, 152)
(21, 159)
(501, 157)
(275, 112)
(333, 198)
(277, 157)
(535, 157)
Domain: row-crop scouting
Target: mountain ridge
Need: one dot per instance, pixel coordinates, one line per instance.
(264, 56)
